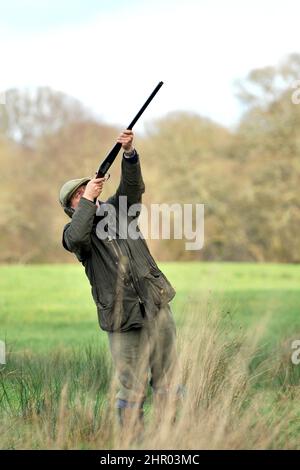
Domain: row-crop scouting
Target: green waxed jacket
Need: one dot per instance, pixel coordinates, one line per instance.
(118, 298)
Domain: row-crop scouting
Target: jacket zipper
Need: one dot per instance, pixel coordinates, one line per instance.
(119, 253)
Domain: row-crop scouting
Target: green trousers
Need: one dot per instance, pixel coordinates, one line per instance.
(140, 354)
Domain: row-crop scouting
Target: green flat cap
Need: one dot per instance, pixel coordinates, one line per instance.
(69, 188)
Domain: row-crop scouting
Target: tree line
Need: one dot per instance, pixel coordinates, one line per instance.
(248, 178)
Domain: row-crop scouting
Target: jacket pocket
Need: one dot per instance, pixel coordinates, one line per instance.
(104, 299)
(105, 317)
(160, 288)
(112, 316)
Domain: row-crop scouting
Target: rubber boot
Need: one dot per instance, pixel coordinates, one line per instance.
(131, 422)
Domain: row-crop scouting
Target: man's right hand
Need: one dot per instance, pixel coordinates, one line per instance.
(94, 188)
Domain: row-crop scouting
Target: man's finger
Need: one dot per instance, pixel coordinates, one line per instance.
(127, 137)
(127, 134)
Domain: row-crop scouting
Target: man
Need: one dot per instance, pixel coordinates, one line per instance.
(131, 293)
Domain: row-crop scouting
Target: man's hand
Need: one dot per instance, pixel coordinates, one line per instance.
(94, 188)
(126, 139)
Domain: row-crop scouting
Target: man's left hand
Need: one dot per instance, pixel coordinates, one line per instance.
(126, 139)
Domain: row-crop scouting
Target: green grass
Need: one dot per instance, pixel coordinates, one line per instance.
(50, 306)
(49, 323)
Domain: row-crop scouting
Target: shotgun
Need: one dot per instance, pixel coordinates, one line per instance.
(106, 164)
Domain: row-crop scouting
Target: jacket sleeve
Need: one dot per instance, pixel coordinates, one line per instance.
(131, 184)
(77, 234)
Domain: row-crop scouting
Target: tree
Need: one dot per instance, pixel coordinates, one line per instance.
(30, 114)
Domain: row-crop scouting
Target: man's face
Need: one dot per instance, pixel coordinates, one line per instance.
(77, 196)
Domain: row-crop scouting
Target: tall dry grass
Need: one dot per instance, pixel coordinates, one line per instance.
(232, 399)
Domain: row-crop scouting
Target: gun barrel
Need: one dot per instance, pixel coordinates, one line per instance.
(105, 165)
(145, 105)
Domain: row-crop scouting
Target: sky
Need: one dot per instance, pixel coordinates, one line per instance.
(111, 54)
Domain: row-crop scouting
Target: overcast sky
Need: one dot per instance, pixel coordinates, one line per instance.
(111, 54)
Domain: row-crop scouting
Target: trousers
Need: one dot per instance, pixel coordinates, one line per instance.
(142, 356)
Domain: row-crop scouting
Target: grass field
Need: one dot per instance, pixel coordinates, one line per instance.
(54, 389)
(50, 306)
